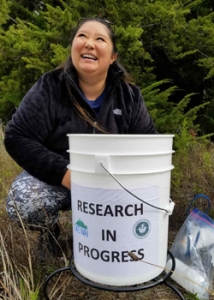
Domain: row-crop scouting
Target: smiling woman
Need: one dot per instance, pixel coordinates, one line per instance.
(92, 52)
(89, 93)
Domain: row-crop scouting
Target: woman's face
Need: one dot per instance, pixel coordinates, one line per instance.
(92, 49)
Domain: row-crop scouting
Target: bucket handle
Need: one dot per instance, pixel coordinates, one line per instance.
(171, 206)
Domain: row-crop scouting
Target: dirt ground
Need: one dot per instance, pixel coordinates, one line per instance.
(64, 285)
(74, 289)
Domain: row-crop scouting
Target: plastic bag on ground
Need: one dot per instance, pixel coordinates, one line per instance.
(193, 250)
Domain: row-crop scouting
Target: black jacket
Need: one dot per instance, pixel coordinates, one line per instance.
(36, 136)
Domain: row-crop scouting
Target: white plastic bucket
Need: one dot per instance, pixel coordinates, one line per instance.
(109, 222)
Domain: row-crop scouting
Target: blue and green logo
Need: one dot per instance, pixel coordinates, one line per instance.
(81, 228)
(142, 229)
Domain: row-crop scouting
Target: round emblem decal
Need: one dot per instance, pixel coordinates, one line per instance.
(142, 228)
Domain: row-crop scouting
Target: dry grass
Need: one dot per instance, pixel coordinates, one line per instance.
(22, 274)
(9, 169)
(193, 174)
(17, 278)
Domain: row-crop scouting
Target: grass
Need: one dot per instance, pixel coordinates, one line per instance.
(17, 278)
(22, 274)
(193, 174)
(9, 169)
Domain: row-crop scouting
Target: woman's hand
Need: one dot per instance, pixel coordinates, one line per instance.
(66, 180)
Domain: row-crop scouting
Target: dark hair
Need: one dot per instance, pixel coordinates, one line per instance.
(68, 64)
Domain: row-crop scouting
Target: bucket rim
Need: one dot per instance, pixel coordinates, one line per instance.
(121, 135)
(171, 167)
(126, 154)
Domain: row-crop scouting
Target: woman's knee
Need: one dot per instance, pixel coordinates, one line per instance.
(34, 201)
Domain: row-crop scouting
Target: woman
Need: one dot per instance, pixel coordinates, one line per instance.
(89, 94)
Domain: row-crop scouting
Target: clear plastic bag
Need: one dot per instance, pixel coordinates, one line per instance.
(193, 250)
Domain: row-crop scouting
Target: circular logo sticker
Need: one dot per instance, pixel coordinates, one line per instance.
(142, 228)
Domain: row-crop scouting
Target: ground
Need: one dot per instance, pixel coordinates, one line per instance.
(64, 285)
(73, 288)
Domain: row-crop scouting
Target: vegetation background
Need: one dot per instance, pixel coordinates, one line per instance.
(168, 48)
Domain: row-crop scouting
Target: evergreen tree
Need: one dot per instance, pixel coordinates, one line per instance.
(166, 45)
(181, 43)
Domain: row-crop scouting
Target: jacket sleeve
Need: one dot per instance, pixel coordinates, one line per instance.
(29, 128)
(141, 121)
